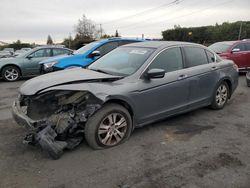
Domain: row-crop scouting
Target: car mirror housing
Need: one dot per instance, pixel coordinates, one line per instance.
(235, 50)
(155, 73)
(29, 57)
(95, 54)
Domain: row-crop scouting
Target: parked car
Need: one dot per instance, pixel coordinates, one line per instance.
(27, 64)
(248, 78)
(131, 86)
(19, 52)
(11, 50)
(5, 54)
(85, 55)
(26, 49)
(238, 51)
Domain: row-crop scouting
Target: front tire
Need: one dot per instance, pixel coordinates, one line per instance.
(221, 96)
(108, 127)
(11, 73)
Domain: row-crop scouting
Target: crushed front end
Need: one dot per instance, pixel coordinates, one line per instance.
(55, 119)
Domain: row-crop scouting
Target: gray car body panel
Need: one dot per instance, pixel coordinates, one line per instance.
(150, 100)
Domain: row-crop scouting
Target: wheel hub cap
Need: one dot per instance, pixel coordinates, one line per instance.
(221, 95)
(11, 74)
(112, 129)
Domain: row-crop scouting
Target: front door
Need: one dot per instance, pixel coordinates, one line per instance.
(31, 65)
(161, 97)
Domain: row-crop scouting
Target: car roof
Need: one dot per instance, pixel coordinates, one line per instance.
(161, 44)
(48, 46)
(119, 39)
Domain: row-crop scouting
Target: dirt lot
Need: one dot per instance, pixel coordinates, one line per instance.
(204, 148)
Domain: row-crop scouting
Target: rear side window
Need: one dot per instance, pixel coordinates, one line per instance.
(195, 56)
(106, 48)
(210, 56)
(57, 51)
(240, 46)
(169, 60)
(247, 46)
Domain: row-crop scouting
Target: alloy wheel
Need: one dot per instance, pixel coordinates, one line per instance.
(221, 95)
(11, 74)
(112, 129)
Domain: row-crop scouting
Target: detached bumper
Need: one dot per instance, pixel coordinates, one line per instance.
(21, 118)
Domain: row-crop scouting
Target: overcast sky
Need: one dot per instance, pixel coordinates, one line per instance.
(33, 20)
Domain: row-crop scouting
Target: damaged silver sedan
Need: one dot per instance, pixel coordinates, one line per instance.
(132, 86)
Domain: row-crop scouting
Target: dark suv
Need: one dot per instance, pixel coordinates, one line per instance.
(238, 51)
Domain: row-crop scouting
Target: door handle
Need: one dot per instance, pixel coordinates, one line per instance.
(214, 68)
(183, 76)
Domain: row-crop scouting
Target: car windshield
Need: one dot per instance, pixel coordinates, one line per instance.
(219, 47)
(122, 61)
(85, 48)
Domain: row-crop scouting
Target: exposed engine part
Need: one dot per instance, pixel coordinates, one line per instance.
(62, 116)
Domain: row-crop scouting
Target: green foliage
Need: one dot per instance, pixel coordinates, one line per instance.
(208, 34)
(17, 45)
(77, 42)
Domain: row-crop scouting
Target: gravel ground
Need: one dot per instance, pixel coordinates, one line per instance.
(204, 148)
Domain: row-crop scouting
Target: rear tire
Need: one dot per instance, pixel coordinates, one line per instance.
(221, 96)
(11, 73)
(108, 127)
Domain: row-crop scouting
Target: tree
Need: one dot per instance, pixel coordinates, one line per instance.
(49, 40)
(116, 33)
(209, 34)
(85, 28)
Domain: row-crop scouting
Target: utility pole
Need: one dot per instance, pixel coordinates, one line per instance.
(101, 30)
(240, 31)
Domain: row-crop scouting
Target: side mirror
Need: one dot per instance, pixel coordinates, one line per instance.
(95, 54)
(155, 73)
(29, 57)
(235, 50)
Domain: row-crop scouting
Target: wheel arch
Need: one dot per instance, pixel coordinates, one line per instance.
(126, 105)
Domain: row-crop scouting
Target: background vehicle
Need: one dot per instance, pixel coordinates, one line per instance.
(5, 54)
(19, 52)
(26, 49)
(85, 55)
(131, 86)
(238, 51)
(11, 50)
(27, 64)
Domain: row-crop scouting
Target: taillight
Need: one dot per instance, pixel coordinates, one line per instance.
(236, 67)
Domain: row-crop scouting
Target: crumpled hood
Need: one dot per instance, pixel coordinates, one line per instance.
(40, 83)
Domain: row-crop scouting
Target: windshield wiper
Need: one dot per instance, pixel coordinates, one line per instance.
(101, 71)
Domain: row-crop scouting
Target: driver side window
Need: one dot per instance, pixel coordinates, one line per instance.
(41, 53)
(106, 48)
(169, 60)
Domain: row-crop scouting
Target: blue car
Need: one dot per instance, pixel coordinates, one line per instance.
(85, 55)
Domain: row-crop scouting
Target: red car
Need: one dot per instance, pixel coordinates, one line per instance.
(238, 51)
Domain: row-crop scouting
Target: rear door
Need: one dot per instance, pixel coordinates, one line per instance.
(203, 75)
(164, 96)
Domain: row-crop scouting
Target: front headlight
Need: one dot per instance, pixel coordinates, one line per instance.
(49, 65)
